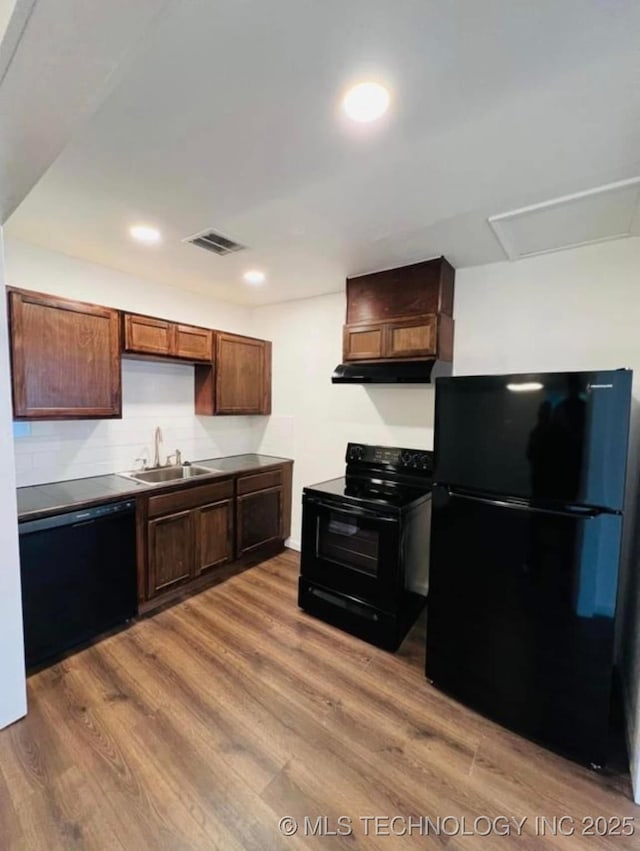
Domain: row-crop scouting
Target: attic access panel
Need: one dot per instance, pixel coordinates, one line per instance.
(607, 212)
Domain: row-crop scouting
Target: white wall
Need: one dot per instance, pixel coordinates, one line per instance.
(13, 701)
(153, 393)
(313, 419)
(573, 310)
(43, 270)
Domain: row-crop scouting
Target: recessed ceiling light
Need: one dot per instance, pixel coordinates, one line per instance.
(366, 102)
(254, 277)
(143, 233)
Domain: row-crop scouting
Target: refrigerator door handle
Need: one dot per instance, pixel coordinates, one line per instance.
(577, 513)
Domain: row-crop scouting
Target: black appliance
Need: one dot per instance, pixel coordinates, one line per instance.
(525, 548)
(78, 573)
(365, 543)
(390, 372)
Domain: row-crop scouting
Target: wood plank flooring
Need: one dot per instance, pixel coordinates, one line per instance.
(204, 725)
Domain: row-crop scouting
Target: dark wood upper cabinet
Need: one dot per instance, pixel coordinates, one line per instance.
(239, 381)
(401, 314)
(243, 382)
(148, 336)
(193, 343)
(421, 288)
(65, 358)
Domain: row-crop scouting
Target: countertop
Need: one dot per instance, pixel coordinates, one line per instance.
(42, 500)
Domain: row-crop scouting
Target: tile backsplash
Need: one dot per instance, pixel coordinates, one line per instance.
(153, 394)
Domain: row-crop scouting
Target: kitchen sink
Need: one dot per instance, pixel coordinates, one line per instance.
(162, 475)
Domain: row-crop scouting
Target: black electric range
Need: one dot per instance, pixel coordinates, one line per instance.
(376, 493)
(365, 543)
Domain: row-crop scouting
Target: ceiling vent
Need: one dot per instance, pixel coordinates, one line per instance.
(607, 212)
(215, 242)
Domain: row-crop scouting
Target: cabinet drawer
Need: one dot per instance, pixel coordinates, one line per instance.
(259, 481)
(147, 335)
(182, 500)
(194, 343)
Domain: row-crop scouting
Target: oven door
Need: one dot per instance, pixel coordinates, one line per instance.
(352, 550)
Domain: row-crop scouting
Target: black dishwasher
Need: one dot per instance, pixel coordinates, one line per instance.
(78, 573)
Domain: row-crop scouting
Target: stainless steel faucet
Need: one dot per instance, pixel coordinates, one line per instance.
(157, 442)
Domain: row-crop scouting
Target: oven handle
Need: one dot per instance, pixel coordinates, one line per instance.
(357, 512)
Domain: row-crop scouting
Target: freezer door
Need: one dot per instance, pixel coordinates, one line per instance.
(558, 437)
(520, 617)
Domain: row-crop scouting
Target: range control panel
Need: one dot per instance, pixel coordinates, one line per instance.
(399, 459)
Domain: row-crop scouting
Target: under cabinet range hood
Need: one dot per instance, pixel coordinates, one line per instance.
(401, 372)
(399, 326)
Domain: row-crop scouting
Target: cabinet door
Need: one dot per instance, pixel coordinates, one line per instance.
(414, 290)
(193, 343)
(213, 535)
(412, 338)
(170, 551)
(259, 519)
(146, 335)
(363, 342)
(243, 375)
(65, 358)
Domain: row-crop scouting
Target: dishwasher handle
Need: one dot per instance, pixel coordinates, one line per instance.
(78, 518)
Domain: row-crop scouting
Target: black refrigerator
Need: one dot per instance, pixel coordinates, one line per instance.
(526, 528)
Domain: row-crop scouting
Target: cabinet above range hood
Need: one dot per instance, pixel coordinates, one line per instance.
(399, 327)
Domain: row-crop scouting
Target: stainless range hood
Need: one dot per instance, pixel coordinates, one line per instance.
(398, 372)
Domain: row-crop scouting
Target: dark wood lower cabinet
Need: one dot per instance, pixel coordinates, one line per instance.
(184, 545)
(213, 525)
(190, 537)
(170, 551)
(259, 519)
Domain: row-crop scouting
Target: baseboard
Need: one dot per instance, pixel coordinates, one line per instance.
(631, 733)
(292, 544)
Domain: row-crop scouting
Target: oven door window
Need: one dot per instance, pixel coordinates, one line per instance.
(349, 541)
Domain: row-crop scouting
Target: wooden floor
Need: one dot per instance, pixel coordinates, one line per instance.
(204, 725)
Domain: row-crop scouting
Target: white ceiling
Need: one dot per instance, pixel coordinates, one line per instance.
(227, 117)
(58, 61)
